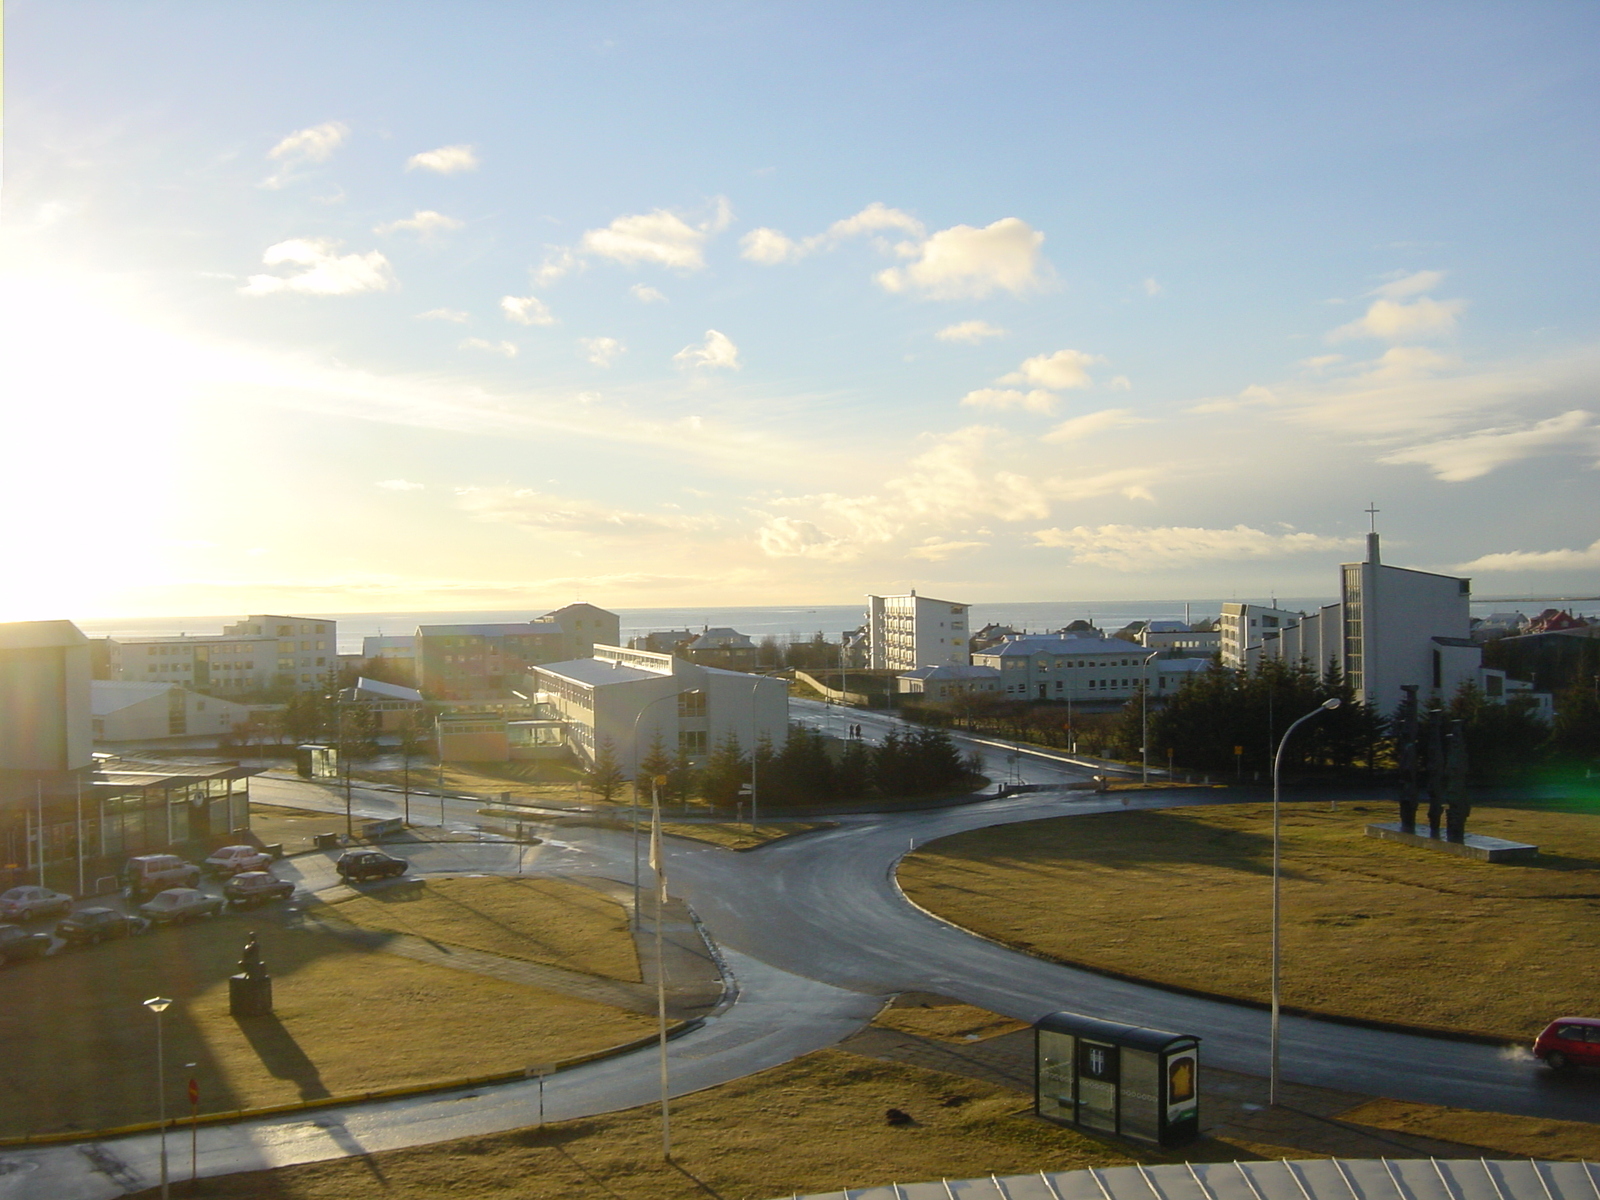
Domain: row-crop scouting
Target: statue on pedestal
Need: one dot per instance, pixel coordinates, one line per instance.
(250, 991)
(1455, 783)
(1435, 770)
(1409, 753)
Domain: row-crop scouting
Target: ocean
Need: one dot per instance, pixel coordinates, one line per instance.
(784, 623)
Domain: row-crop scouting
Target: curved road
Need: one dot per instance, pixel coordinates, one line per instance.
(815, 932)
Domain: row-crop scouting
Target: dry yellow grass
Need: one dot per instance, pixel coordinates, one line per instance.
(813, 1125)
(1371, 929)
(732, 836)
(946, 1020)
(1532, 1137)
(548, 921)
(77, 1050)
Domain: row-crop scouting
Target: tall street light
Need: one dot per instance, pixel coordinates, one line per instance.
(1144, 720)
(159, 1005)
(1327, 705)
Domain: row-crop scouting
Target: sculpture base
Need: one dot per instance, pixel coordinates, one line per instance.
(249, 997)
(1485, 849)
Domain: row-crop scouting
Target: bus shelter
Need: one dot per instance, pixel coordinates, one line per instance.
(1119, 1079)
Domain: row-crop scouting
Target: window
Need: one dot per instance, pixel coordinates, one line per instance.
(692, 741)
(691, 704)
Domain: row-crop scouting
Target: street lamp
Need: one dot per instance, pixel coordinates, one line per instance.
(159, 1005)
(1144, 720)
(1327, 705)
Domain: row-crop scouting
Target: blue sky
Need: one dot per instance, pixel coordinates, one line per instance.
(342, 307)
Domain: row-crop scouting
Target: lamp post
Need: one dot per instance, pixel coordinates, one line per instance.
(159, 1005)
(1327, 705)
(1144, 720)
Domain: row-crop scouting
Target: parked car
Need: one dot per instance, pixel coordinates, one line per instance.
(355, 866)
(147, 874)
(25, 903)
(90, 926)
(1569, 1042)
(230, 860)
(256, 887)
(176, 905)
(16, 943)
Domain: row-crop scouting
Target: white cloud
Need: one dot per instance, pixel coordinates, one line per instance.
(1405, 362)
(1092, 423)
(1321, 362)
(454, 315)
(660, 237)
(1063, 369)
(326, 273)
(1141, 548)
(970, 332)
(769, 247)
(1472, 455)
(313, 145)
(1395, 320)
(541, 511)
(526, 310)
(1537, 560)
(509, 349)
(446, 160)
(1037, 401)
(1409, 285)
(423, 222)
(647, 295)
(717, 350)
(789, 537)
(1120, 383)
(1254, 396)
(964, 262)
(602, 351)
(400, 485)
(937, 549)
(558, 263)
(1152, 288)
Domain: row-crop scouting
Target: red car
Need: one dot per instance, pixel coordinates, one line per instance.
(1569, 1042)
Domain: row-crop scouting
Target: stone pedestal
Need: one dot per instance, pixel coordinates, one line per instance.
(1472, 845)
(250, 996)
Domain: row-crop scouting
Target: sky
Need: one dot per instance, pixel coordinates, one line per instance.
(341, 307)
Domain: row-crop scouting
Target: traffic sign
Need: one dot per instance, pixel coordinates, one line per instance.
(194, 1091)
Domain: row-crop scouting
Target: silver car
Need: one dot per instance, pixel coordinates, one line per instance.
(176, 905)
(25, 903)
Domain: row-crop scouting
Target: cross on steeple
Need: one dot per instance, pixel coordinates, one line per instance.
(1372, 511)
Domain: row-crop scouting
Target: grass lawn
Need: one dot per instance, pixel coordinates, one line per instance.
(548, 921)
(811, 1125)
(733, 836)
(77, 1050)
(1530, 1137)
(1371, 929)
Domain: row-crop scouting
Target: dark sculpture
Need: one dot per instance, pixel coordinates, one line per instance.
(250, 991)
(1410, 760)
(1455, 783)
(1432, 755)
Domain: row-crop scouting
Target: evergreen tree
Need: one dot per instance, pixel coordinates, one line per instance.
(853, 775)
(1575, 733)
(605, 778)
(726, 771)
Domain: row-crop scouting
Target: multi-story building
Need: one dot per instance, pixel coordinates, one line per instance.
(723, 647)
(1179, 637)
(948, 683)
(911, 631)
(630, 699)
(1056, 667)
(252, 657)
(132, 711)
(465, 662)
(1244, 626)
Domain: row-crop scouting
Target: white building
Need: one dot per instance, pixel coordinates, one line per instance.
(307, 647)
(1055, 667)
(1243, 628)
(910, 631)
(1179, 636)
(630, 698)
(127, 711)
(255, 655)
(949, 682)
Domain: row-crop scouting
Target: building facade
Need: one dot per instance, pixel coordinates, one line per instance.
(254, 657)
(465, 662)
(948, 683)
(1056, 667)
(128, 711)
(631, 698)
(1242, 627)
(911, 631)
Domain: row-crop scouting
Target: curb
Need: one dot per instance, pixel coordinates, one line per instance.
(397, 1092)
(1432, 1031)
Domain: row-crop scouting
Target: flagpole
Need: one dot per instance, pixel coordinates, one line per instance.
(658, 865)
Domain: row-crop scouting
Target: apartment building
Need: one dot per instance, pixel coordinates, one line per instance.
(466, 662)
(1243, 627)
(911, 631)
(1059, 667)
(257, 655)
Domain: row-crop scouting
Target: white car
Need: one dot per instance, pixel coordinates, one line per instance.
(230, 860)
(25, 903)
(176, 905)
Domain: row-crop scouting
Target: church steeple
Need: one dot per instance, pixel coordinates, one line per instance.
(1372, 535)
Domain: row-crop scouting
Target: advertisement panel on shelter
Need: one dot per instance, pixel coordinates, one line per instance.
(1183, 1086)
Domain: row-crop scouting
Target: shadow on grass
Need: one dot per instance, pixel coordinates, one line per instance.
(281, 1055)
(1150, 838)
